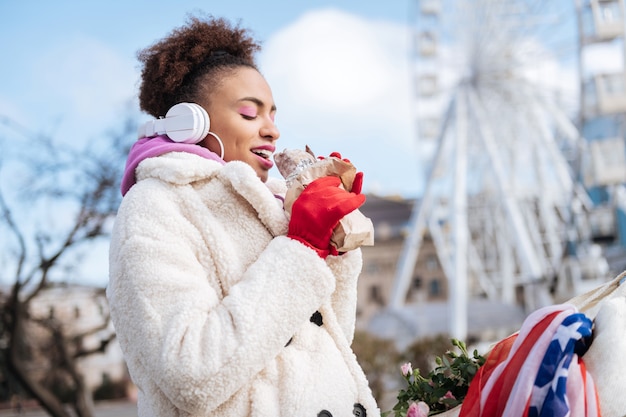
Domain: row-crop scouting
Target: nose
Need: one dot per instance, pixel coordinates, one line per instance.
(269, 130)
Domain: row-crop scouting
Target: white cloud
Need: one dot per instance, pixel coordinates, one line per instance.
(335, 60)
(342, 83)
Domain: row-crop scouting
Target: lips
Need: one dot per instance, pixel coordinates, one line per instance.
(264, 153)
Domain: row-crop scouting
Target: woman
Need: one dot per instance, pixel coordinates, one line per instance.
(223, 305)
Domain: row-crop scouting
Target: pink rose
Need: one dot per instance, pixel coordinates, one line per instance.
(449, 395)
(420, 409)
(406, 369)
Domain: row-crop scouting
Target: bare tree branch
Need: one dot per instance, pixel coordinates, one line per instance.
(7, 218)
(85, 184)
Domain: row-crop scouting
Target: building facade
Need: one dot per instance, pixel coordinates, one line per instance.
(390, 216)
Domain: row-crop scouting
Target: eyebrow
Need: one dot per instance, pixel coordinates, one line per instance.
(258, 102)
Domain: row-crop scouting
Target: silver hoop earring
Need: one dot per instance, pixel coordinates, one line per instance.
(220, 143)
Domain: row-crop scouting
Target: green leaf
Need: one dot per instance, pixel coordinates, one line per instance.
(453, 373)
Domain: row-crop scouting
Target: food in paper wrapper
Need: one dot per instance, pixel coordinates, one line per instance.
(301, 167)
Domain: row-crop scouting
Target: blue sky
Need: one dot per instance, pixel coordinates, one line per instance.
(339, 71)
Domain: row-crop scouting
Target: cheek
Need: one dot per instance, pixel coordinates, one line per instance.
(238, 143)
(235, 133)
(230, 134)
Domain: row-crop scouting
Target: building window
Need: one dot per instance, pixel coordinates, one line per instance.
(432, 263)
(375, 295)
(416, 284)
(610, 11)
(434, 289)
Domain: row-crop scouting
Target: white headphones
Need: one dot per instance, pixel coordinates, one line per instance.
(184, 122)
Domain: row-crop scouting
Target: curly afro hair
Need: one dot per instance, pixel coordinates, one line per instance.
(191, 61)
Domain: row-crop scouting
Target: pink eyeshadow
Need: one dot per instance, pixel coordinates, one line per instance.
(247, 111)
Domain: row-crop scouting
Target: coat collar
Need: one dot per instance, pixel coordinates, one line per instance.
(181, 168)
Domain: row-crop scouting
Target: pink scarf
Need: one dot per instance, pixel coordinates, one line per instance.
(159, 145)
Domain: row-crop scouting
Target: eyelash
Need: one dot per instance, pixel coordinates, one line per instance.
(245, 116)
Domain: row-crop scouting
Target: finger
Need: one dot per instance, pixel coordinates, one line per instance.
(348, 204)
(338, 198)
(357, 201)
(338, 155)
(357, 185)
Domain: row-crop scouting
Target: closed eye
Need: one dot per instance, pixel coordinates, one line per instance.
(248, 112)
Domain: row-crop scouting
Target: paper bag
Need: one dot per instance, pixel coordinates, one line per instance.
(300, 168)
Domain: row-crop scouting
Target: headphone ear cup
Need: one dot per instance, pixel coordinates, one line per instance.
(187, 123)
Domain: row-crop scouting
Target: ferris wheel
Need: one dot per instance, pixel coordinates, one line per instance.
(490, 43)
(496, 92)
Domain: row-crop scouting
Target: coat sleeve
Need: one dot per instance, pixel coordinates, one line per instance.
(176, 327)
(346, 269)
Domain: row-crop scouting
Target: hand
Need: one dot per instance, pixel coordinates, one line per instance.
(335, 155)
(316, 212)
(357, 185)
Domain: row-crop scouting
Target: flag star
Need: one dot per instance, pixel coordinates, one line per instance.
(565, 333)
(561, 372)
(539, 394)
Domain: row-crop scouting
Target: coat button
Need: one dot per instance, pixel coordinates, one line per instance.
(324, 413)
(317, 318)
(359, 410)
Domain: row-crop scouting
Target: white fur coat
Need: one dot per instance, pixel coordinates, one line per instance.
(212, 303)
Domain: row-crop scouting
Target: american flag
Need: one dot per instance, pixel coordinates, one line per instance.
(539, 371)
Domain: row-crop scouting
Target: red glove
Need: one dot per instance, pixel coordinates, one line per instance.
(316, 212)
(357, 185)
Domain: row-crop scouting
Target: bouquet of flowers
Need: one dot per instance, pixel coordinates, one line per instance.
(444, 388)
